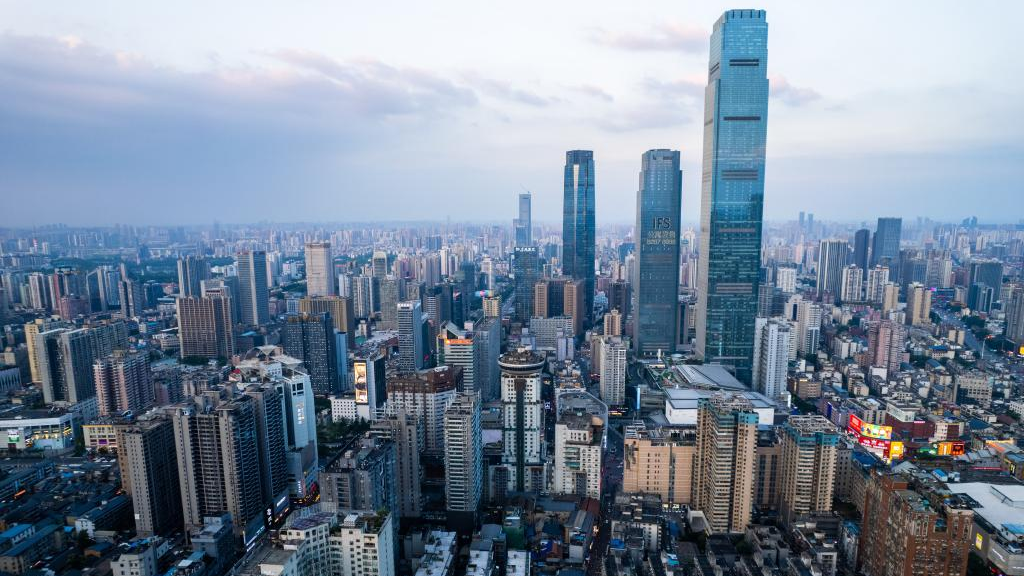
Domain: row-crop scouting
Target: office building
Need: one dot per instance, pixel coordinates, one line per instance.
(656, 285)
(724, 462)
(340, 310)
(852, 284)
(149, 475)
(205, 326)
(124, 383)
(132, 298)
(613, 370)
(732, 190)
(659, 461)
(909, 530)
(219, 464)
(578, 225)
(833, 256)
(885, 248)
(369, 382)
(862, 249)
(523, 420)
(919, 305)
(809, 450)
(523, 224)
(487, 349)
(457, 348)
(463, 455)
(526, 272)
(772, 340)
(390, 290)
(311, 339)
(406, 431)
(192, 270)
(253, 292)
(577, 458)
(987, 273)
(412, 350)
(426, 393)
(320, 270)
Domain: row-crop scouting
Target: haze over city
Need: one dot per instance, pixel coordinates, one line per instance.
(326, 111)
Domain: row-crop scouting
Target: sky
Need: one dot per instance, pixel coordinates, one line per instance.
(188, 112)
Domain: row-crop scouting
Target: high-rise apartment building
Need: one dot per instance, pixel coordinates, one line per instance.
(124, 383)
(919, 305)
(577, 457)
(253, 292)
(613, 323)
(808, 327)
(362, 478)
(878, 277)
(886, 343)
(785, 279)
(219, 464)
(885, 247)
(732, 190)
(809, 447)
(523, 224)
(364, 544)
(1015, 316)
(406, 431)
(526, 272)
(523, 419)
(833, 256)
(659, 461)
(578, 224)
(149, 474)
(492, 306)
(192, 270)
(390, 291)
(206, 326)
(852, 284)
(320, 279)
(463, 455)
(613, 370)
(412, 350)
(656, 285)
(771, 356)
(64, 359)
(427, 394)
(724, 463)
(909, 529)
(311, 339)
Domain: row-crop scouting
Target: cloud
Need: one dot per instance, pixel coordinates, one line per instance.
(665, 37)
(780, 88)
(506, 91)
(89, 134)
(593, 91)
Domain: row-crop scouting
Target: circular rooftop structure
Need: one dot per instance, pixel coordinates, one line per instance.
(521, 361)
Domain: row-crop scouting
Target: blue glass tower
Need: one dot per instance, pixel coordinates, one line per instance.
(885, 250)
(578, 225)
(732, 189)
(656, 286)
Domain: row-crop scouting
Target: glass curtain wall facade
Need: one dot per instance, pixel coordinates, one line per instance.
(578, 225)
(732, 189)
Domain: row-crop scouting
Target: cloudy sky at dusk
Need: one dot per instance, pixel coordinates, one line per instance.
(186, 112)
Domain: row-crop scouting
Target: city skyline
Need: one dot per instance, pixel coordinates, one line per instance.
(305, 115)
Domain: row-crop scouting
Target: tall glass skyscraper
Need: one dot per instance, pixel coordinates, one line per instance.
(524, 223)
(732, 189)
(885, 249)
(578, 224)
(656, 283)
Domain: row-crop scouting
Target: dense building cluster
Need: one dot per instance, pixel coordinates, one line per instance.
(739, 397)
